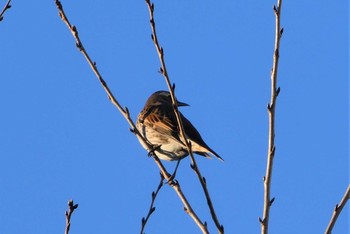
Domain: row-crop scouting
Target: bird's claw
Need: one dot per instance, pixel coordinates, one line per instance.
(151, 153)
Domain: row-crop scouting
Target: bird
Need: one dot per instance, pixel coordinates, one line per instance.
(157, 123)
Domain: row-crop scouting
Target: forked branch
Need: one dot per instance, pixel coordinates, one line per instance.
(271, 107)
(69, 212)
(337, 210)
(151, 208)
(125, 112)
(6, 7)
(194, 166)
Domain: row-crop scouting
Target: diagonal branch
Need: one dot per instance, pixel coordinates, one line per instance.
(337, 210)
(69, 212)
(171, 88)
(125, 112)
(271, 107)
(6, 7)
(151, 208)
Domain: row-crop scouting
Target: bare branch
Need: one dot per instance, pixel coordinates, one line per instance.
(124, 111)
(337, 210)
(163, 71)
(271, 111)
(69, 212)
(152, 208)
(126, 115)
(6, 7)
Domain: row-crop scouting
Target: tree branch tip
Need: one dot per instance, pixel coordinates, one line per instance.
(75, 206)
(1, 18)
(264, 178)
(204, 180)
(205, 224)
(173, 87)
(59, 5)
(143, 220)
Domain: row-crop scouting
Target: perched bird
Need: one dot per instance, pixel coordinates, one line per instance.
(157, 123)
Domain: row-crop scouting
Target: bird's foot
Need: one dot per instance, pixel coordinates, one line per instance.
(151, 153)
(171, 179)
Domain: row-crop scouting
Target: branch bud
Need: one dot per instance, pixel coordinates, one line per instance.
(261, 221)
(275, 9)
(278, 91)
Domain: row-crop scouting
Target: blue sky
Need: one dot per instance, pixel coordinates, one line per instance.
(62, 139)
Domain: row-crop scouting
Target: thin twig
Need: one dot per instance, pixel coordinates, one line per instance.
(271, 107)
(6, 7)
(337, 210)
(125, 112)
(69, 212)
(151, 207)
(171, 88)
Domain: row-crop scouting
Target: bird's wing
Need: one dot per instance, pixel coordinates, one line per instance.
(193, 135)
(163, 120)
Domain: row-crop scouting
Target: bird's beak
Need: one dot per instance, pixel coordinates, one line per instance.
(181, 104)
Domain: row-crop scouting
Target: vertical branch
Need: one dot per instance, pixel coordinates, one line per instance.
(6, 7)
(151, 208)
(271, 107)
(171, 88)
(69, 212)
(337, 210)
(125, 113)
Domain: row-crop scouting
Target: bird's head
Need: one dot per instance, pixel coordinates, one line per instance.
(164, 97)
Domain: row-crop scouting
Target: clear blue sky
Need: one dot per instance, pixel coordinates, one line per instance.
(62, 139)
